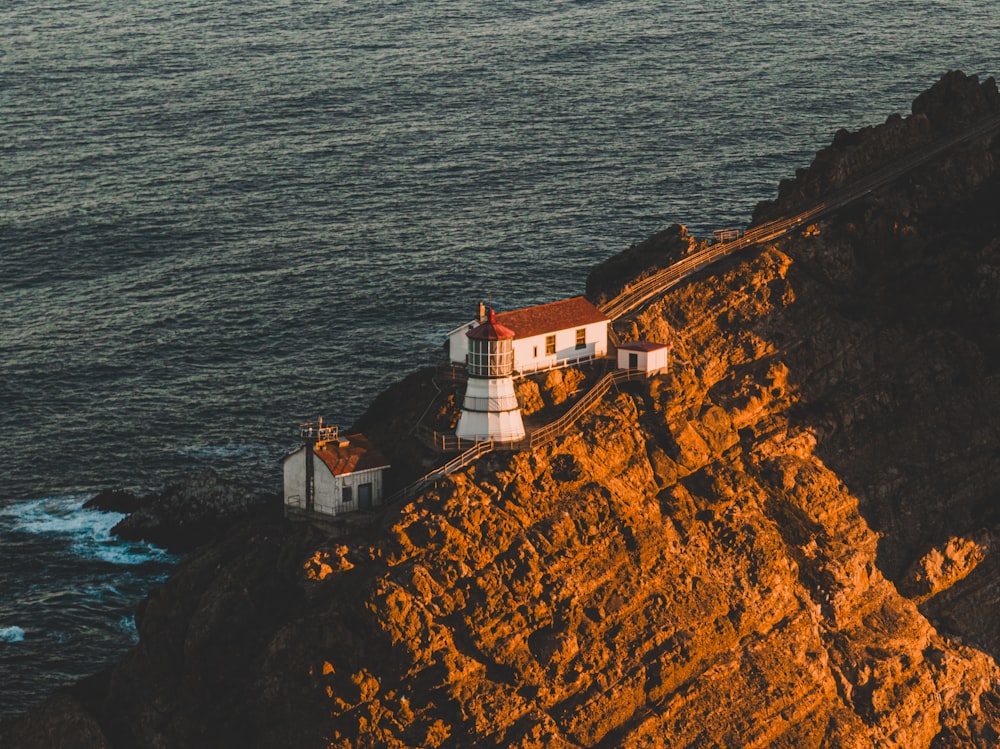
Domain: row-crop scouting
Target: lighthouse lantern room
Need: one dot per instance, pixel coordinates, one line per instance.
(490, 409)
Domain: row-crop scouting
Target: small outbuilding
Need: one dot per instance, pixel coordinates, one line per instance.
(646, 356)
(331, 474)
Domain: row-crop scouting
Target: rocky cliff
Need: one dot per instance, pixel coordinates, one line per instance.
(787, 540)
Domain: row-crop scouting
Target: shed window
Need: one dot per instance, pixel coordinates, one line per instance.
(348, 494)
(550, 344)
(581, 338)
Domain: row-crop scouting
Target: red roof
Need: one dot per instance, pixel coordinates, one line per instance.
(643, 346)
(548, 318)
(358, 455)
(491, 330)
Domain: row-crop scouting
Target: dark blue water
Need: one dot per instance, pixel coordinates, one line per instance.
(219, 219)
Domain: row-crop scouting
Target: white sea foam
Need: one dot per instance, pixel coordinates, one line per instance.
(127, 625)
(62, 514)
(11, 634)
(88, 532)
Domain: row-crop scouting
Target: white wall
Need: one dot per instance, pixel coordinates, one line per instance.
(648, 361)
(525, 358)
(295, 478)
(458, 343)
(657, 360)
(328, 488)
(503, 419)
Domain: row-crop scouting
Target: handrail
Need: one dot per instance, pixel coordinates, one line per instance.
(550, 431)
(539, 437)
(315, 431)
(452, 372)
(631, 298)
(558, 364)
(459, 461)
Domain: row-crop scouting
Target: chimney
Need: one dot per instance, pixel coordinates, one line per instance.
(481, 317)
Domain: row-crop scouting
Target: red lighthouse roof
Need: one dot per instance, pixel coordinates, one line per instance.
(491, 330)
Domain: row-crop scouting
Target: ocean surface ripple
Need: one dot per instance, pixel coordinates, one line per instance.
(217, 220)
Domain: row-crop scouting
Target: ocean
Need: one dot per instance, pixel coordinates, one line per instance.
(220, 219)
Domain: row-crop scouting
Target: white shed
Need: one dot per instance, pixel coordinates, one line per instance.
(646, 356)
(347, 474)
(546, 335)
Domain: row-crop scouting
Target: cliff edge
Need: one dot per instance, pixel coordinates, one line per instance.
(785, 541)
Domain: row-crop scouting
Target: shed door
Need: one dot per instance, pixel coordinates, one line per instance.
(364, 496)
(633, 361)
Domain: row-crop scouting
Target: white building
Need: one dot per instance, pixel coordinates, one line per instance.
(646, 356)
(458, 344)
(332, 474)
(546, 335)
(490, 409)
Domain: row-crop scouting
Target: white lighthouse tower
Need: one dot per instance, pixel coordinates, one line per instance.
(490, 409)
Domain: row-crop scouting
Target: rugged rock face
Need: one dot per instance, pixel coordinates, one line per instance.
(184, 515)
(893, 344)
(113, 500)
(946, 108)
(786, 541)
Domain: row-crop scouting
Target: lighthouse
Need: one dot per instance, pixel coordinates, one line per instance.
(490, 409)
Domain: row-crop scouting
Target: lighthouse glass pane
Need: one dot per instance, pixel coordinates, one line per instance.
(491, 358)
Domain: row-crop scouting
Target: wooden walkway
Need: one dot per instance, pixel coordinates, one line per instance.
(541, 436)
(635, 296)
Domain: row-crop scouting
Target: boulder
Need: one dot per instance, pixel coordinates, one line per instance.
(189, 513)
(113, 500)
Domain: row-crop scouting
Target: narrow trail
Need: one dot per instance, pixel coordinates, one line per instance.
(643, 291)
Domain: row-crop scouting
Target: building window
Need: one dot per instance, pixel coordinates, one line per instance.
(581, 338)
(348, 494)
(550, 344)
(534, 352)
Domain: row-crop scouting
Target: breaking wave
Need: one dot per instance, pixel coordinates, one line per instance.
(86, 533)
(11, 634)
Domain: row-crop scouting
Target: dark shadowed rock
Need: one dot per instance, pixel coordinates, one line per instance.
(956, 100)
(189, 513)
(953, 103)
(662, 249)
(59, 722)
(113, 500)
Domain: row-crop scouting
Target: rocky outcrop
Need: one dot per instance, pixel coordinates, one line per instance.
(113, 500)
(59, 721)
(640, 260)
(947, 107)
(186, 514)
(787, 540)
